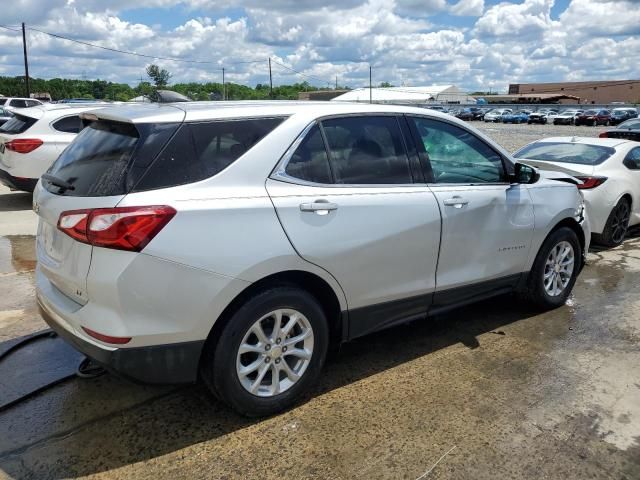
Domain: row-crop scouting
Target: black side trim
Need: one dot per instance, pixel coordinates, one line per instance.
(161, 364)
(459, 296)
(371, 318)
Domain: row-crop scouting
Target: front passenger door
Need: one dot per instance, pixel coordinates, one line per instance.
(487, 222)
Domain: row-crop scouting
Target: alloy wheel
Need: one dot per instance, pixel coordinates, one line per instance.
(558, 268)
(275, 352)
(620, 222)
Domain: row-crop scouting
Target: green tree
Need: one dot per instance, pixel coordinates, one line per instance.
(159, 76)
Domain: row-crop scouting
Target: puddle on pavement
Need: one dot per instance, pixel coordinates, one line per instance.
(18, 310)
(17, 254)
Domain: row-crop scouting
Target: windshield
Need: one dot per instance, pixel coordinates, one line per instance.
(18, 124)
(590, 112)
(633, 123)
(566, 152)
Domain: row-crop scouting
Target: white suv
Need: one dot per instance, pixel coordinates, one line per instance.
(14, 103)
(240, 240)
(33, 138)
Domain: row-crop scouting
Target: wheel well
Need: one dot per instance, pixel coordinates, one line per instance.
(310, 282)
(573, 225)
(628, 197)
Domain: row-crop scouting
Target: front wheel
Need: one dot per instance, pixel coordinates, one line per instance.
(269, 352)
(555, 270)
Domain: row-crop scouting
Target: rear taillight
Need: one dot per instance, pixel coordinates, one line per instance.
(590, 182)
(121, 228)
(23, 145)
(603, 135)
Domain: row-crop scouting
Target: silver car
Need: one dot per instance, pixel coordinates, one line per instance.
(235, 242)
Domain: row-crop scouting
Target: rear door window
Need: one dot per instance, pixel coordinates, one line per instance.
(632, 160)
(18, 124)
(19, 103)
(202, 150)
(367, 150)
(72, 124)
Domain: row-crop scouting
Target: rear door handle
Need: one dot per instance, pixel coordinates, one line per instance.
(456, 202)
(320, 207)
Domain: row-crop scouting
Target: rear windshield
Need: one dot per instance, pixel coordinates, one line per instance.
(566, 153)
(3, 101)
(111, 158)
(18, 124)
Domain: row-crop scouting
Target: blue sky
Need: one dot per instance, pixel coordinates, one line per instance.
(476, 44)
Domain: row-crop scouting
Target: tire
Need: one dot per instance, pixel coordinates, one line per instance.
(617, 225)
(222, 361)
(537, 290)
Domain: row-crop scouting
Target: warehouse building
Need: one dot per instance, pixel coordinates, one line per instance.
(600, 92)
(408, 95)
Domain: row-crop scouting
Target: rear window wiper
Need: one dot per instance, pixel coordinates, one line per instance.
(58, 182)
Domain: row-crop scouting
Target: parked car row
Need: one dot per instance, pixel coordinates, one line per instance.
(569, 116)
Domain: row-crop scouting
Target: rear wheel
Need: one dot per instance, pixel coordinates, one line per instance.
(555, 269)
(617, 225)
(270, 351)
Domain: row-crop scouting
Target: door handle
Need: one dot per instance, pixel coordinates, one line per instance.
(320, 207)
(456, 202)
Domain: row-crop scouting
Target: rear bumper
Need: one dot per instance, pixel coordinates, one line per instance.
(17, 183)
(160, 364)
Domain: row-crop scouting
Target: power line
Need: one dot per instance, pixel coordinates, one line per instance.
(136, 54)
(12, 29)
(318, 79)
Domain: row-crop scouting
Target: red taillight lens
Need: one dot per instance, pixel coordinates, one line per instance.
(23, 145)
(590, 182)
(107, 338)
(74, 224)
(603, 135)
(121, 228)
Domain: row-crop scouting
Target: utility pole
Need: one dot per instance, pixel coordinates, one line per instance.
(370, 87)
(336, 82)
(26, 62)
(270, 80)
(224, 87)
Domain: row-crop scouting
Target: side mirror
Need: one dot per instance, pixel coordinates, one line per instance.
(525, 174)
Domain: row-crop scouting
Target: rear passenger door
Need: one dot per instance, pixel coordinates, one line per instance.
(346, 197)
(487, 222)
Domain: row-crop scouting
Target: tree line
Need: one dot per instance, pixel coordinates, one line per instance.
(61, 88)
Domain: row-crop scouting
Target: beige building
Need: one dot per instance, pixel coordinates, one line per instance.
(607, 91)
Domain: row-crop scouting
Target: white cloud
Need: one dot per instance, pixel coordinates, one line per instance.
(512, 41)
(468, 8)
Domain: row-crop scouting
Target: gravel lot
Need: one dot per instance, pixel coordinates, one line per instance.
(512, 136)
